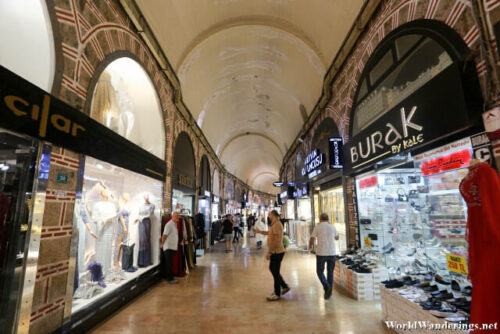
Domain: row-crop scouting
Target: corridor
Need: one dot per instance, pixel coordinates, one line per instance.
(226, 294)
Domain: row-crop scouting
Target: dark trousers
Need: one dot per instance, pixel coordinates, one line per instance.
(274, 267)
(169, 264)
(320, 270)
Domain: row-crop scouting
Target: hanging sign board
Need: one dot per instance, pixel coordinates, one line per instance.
(27, 109)
(278, 184)
(435, 110)
(335, 150)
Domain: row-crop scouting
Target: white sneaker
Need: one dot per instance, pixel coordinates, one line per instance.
(273, 298)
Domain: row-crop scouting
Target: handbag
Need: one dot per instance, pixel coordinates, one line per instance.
(413, 194)
(401, 180)
(423, 189)
(414, 179)
(402, 196)
(365, 221)
(388, 181)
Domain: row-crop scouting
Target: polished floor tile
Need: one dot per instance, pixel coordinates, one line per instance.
(226, 294)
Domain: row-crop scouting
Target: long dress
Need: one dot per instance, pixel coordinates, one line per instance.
(104, 213)
(481, 190)
(146, 211)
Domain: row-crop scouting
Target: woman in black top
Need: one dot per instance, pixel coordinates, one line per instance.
(227, 230)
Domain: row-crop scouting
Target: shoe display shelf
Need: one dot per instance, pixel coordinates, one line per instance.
(400, 310)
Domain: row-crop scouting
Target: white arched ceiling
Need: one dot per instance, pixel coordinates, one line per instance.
(26, 41)
(246, 67)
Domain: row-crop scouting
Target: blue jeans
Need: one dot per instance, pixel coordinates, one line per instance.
(320, 270)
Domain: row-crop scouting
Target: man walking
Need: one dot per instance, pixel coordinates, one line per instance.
(227, 231)
(276, 252)
(169, 241)
(326, 234)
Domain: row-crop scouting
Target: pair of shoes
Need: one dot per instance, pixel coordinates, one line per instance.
(328, 293)
(174, 281)
(285, 290)
(273, 298)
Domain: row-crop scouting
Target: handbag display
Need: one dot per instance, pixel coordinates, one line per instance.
(402, 196)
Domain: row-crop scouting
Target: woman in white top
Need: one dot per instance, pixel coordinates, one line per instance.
(261, 239)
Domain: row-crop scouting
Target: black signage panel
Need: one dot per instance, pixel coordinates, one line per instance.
(435, 110)
(28, 109)
(335, 152)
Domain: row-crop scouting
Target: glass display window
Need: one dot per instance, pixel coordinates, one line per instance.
(182, 202)
(118, 230)
(290, 209)
(413, 215)
(332, 203)
(304, 209)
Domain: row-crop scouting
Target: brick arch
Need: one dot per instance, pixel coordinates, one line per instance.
(457, 14)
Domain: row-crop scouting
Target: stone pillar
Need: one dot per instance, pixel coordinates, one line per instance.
(53, 261)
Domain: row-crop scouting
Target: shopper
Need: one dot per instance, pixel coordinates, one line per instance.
(275, 254)
(236, 226)
(261, 238)
(227, 230)
(169, 241)
(326, 234)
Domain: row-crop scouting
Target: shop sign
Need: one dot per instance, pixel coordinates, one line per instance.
(62, 178)
(207, 193)
(278, 184)
(335, 150)
(457, 263)
(368, 182)
(314, 160)
(491, 120)
(301, 191)
(481, 146)
(215, 199)
(455, 155)
(30, 110)
(284, 195)
(185, 181)
(435, 110)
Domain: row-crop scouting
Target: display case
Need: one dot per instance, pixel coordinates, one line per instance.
(117, 220)
(413, 215)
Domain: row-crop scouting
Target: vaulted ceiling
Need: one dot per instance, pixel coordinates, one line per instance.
(250, 70)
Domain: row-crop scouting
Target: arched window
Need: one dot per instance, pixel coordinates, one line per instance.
(125, 101)
(406, 60)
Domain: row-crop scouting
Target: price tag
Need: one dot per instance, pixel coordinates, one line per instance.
(457, 263)
(368, 242)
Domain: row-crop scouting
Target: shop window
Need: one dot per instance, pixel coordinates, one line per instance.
(125, 101)
(332, 203)
(118, 228)
(413, 215)
(419, 62)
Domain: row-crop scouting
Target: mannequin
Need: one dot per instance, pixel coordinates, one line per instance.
(146, 212)
(122, 226)
(87, 239)
(481, 190)
(104, 212)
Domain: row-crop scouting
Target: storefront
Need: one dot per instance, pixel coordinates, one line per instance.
(183, 176)
(414, 121)
(204, 192)
(325, 178)
(117, 206)
(215, 196)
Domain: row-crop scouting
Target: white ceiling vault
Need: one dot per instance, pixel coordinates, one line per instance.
(247, 66)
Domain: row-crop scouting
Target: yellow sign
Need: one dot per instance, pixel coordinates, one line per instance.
(457, 263)
(368, 242)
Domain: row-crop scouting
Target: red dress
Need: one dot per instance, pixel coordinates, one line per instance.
(481, 190)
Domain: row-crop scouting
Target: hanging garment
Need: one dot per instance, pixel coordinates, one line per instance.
(199, 221)
(179, 254)
(123, 213)
(104, 213)
(128, 258)
(481, 190)
(144, 258)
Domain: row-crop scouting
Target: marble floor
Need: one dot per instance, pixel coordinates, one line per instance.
(226, 294)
